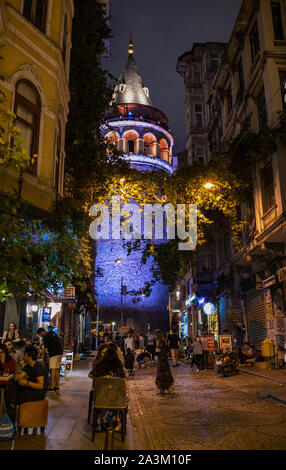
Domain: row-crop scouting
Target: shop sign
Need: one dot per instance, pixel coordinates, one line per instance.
(270, 281)
(211, 343)
(225, 343)
(46, 314)
(67, 295)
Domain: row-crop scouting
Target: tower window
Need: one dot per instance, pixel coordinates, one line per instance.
(131, 146)
(27, 110)
(277, 20)
(35, 11)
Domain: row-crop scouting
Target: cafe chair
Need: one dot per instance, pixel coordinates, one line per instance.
(67, 363)
(109, 394)
(33, 414)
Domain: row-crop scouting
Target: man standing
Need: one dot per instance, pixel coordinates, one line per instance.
(53, 345)
(205, 346)
(129, 343)
(174, 343)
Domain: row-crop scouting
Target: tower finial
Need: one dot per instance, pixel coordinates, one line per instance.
(130, 50)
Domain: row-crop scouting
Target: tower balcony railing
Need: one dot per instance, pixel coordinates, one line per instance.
(139, 118)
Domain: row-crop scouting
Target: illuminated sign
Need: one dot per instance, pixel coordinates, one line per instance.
(46, 314)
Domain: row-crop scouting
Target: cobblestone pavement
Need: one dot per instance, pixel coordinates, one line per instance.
(208, 411)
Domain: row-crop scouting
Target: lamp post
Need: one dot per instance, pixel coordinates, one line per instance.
(119, 261)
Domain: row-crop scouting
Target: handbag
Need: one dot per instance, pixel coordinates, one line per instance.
(7, 427)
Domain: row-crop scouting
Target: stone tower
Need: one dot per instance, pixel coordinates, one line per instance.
(141, 134)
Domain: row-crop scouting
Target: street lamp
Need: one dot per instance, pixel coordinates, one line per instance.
(113, 325)
(209, 185)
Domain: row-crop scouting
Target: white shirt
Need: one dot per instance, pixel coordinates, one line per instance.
(129, 343)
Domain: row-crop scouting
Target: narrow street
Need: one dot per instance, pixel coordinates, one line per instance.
(210, 412)
(205, 412)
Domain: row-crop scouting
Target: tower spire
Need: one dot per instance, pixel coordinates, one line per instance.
(130, 50)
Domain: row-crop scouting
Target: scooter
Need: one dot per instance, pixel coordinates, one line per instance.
(227, 364)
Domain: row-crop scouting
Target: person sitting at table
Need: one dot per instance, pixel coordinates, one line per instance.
(14, 353)
(12, 332)
(7, 363)
(30, 385)
(109, 366)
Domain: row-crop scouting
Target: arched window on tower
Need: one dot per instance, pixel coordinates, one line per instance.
(164, 150)
(131, 146)
(27, 109)
(131, 142)
(150, 145)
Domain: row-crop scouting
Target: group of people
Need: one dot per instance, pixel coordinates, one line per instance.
(35, 366)
(154, 343)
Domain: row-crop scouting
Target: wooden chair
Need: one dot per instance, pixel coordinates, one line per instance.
(67, 363)
(33, 414)
(110, 394)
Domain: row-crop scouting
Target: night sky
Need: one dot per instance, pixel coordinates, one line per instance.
(162, 31)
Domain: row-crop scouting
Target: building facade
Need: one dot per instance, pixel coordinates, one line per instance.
(36, 44)
(141, 134)
(248, 92)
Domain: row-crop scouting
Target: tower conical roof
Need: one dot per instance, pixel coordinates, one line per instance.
(130, 89)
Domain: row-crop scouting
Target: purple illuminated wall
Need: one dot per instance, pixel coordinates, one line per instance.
(151, 309)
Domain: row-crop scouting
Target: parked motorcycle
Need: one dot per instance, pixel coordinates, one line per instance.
(227, 364)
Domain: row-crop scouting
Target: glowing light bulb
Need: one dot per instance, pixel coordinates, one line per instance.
(208, 185)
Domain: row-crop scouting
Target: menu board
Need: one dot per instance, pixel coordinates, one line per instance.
(211, 343)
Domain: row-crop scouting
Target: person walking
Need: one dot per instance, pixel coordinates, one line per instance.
(141, 343)
(198, 353)
(129, 343)
(205, 346)
(53, 345)
(150, 344)
(174, 343)
(164, 378)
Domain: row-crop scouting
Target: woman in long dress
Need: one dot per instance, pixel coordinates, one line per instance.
(164, 379)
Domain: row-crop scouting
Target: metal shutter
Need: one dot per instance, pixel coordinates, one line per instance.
(255, 315)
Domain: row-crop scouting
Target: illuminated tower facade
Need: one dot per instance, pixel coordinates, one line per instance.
(141, 133)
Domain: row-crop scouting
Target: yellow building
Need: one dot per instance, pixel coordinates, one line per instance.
(36, 39)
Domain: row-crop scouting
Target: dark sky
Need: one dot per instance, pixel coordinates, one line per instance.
(162, 31)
